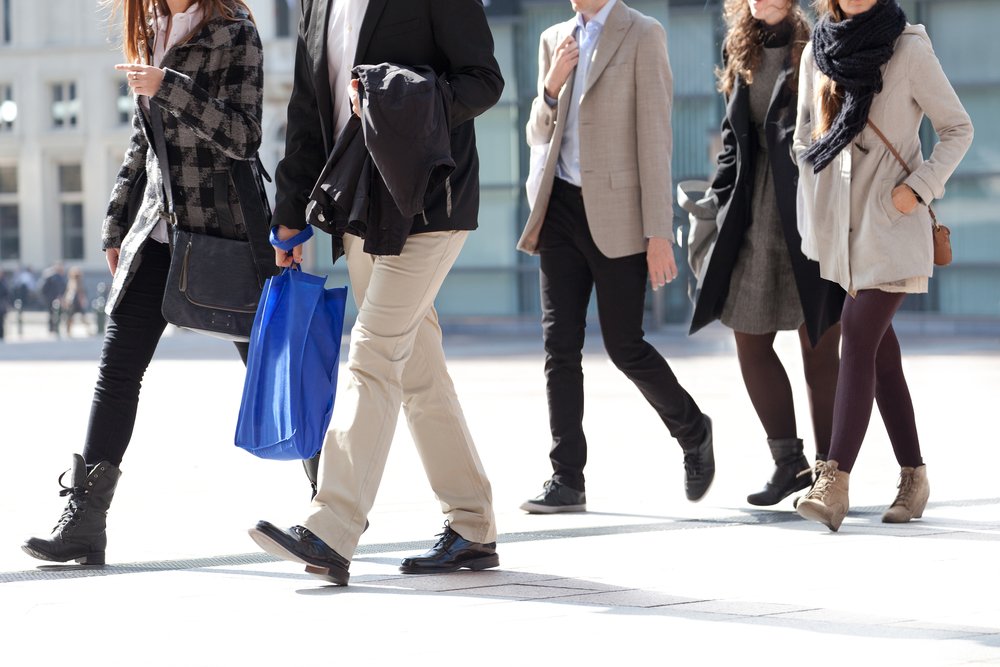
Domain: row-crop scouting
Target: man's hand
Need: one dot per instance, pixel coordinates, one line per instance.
(660, 259)
(142, 79)
(282, 257)
(112, 254)
(904, 199)
(352, 92)
(566, 57)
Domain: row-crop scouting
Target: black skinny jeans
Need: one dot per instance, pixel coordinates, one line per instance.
(571, 267)
(129, 343)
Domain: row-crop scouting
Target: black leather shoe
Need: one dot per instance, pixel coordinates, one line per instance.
(699, 466)
(299, 545)
(451, 554)
(556, 498)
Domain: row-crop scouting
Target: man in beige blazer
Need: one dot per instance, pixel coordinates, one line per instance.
(602, 218)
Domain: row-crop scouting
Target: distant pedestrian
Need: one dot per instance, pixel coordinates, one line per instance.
(5, 293)
(52, 287)
(74, 301)
(867, 71)
(756, 279)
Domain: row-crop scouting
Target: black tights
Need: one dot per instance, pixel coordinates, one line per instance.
(871, 370)
(771, 392)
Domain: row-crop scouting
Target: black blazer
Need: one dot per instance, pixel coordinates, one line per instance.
(733, 188)
(451, 36)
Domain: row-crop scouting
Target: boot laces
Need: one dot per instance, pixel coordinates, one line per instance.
(905, 487)
(71, 513)
(822, 485)
(692, 463)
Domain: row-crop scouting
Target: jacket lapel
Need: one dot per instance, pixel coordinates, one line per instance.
(372, 15)
(316, 45)
(612, 35)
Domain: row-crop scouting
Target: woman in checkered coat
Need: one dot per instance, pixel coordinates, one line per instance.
(200, 64)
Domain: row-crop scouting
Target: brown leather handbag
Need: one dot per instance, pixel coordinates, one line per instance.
(942, 235)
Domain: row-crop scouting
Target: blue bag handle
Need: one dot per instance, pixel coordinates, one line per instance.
(288, 244)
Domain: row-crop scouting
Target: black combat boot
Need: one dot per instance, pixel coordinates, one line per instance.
(80, 534)
(792, 473)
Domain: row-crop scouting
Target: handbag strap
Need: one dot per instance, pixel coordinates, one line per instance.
(160, 144)
(899, 158)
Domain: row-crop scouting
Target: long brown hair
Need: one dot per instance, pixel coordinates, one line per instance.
(829, 96)
(744, 43)
(138, 17)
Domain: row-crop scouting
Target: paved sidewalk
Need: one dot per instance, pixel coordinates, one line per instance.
(643, 578)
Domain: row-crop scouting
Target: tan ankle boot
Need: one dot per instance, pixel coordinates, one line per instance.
(827, 501)
(912, 497)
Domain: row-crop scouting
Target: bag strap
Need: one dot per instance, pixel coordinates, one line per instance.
(160, 144)
(906, 167)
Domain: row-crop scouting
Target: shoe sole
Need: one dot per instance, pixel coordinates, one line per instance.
(94, 558)
(795, 502)
(704, 493)
(269, 545)
(532, 508)
(807, 511)
(475, 565)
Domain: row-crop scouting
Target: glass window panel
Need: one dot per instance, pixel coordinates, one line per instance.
(124, 103)
(8, 180)
(283, 18)
(964, 35)
(70, 178)
(10, 239)
(497, 139)
(72, 231)
(65, 105)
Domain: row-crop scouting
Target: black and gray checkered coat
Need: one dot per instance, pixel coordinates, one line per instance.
(211, 99)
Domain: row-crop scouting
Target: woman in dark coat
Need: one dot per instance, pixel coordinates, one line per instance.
(755, 278)
(203, 74)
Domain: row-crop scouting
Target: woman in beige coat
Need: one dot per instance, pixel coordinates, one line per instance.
(867, 222)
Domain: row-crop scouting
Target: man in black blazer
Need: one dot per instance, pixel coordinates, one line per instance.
(396, 355)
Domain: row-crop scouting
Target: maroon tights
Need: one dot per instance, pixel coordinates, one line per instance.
(871, 370)
(771, 392)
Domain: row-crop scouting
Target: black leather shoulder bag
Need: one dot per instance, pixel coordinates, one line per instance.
(215, 282)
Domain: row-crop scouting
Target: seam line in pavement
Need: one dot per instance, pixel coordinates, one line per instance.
(750, 517)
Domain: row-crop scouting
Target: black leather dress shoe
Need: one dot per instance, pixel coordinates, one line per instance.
(451, 554)
(556, 498)
(699, 466)
(299, 545)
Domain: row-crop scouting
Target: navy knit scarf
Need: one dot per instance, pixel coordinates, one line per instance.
(852, 52)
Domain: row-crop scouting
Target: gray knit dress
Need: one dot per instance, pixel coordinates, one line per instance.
(763, 297)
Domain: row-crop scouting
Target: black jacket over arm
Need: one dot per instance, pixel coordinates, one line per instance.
(733, 190)
(451, 36)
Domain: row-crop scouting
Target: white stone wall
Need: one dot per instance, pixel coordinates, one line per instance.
(72, 40)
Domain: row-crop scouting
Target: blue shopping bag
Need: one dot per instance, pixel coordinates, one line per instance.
(292, 364)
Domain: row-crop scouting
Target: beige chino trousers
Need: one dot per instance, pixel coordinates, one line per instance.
(396, 359)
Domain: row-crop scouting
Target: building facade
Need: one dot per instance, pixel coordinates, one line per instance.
(64, 124)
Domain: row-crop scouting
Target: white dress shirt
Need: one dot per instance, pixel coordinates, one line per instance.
(587, 35)
(342, 31)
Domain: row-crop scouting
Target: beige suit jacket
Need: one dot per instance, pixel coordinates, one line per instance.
(625, 134)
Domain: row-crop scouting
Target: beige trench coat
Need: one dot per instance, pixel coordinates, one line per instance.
(846, 216)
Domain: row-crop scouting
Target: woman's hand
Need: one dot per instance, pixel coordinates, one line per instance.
(142, 79)
(566, 57)
(112, 254)
(283, 257)
(904, 199)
